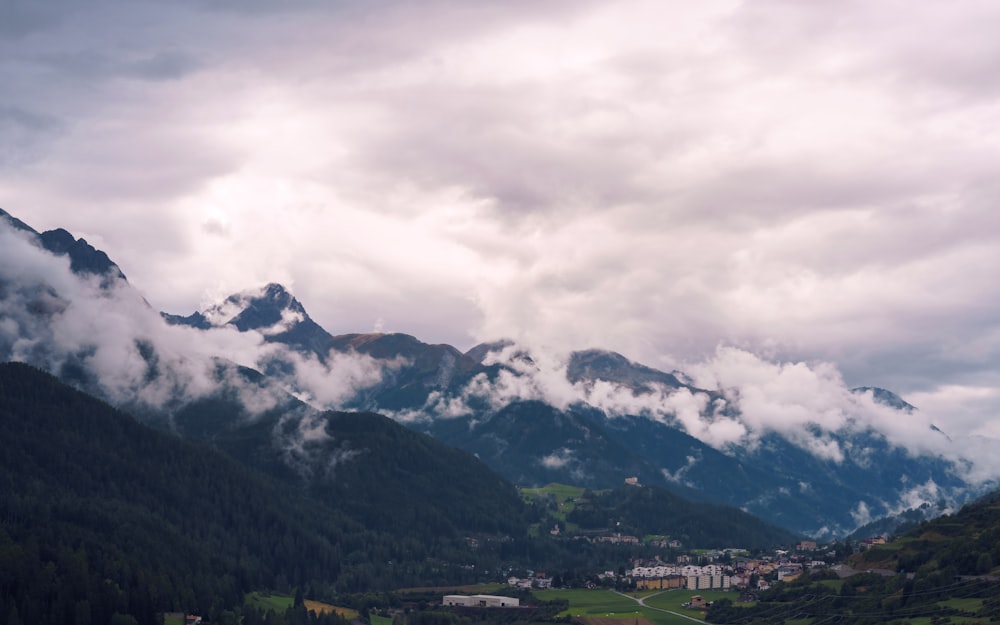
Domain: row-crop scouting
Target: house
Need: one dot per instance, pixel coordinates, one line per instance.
(698, 601)
(789, 573)
(806, 545)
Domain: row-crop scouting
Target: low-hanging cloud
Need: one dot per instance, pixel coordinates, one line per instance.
(736, 399)
(61, 321)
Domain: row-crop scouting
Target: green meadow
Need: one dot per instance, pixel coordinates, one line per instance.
(607, 604)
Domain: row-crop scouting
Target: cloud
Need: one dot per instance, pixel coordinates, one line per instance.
(861, 514)
(558, 459)
(806, 182)
(746, 398)
(329, 385)
(60, 321)
(679, 476)
(25, 136)
(309, 448)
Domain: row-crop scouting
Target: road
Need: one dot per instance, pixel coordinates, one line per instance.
(642, 602)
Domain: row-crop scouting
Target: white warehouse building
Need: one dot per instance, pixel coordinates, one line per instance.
(481, 601)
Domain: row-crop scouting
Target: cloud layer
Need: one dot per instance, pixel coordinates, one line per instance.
(108, 339)
(805, 182)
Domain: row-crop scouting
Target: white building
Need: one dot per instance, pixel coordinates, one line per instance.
(480, 601)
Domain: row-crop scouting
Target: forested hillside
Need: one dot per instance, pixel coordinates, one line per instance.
(943, 572)
(102, 515)
(650, 510)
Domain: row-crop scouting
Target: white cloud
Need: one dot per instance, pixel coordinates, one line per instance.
(558, 459)
(861, 514)
(52, 318)
(806, 182)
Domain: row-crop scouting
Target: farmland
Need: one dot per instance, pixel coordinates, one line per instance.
(606, 607)
(280, 603)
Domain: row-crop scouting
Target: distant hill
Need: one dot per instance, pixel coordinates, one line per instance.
(964, 543)
(648, 510)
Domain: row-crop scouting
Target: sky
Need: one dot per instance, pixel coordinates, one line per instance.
(685, 183)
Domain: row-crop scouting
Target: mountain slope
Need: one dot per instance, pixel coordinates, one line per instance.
(648, 510)
(120, 518)
(943, 571)
(103, 515)
(602, 418)
(532, 443)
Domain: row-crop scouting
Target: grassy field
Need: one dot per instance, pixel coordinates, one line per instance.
(672, 599)
(564, 496)
(379, 620)
(280, 603)
(836, 584)
(947, 620)
(965, 605)
(173, 620)
(604, 607)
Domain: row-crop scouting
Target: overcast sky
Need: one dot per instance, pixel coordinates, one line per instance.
(807, 181)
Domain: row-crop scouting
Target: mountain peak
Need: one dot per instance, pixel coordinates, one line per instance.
(479, 352)
(599, 364)
(276, 292)
(886, 398)
(84, 258)
(271, 309)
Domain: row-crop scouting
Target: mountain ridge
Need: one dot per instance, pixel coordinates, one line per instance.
(659, 424)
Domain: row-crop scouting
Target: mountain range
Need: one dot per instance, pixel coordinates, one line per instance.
(256, 367)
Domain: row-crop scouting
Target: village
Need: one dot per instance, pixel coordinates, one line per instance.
(711, 569)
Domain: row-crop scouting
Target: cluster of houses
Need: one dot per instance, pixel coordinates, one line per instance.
(721, 569)
(535, 580)
(664, 576)
(739, 571)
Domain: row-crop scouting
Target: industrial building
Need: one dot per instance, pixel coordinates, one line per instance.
(480, 601)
